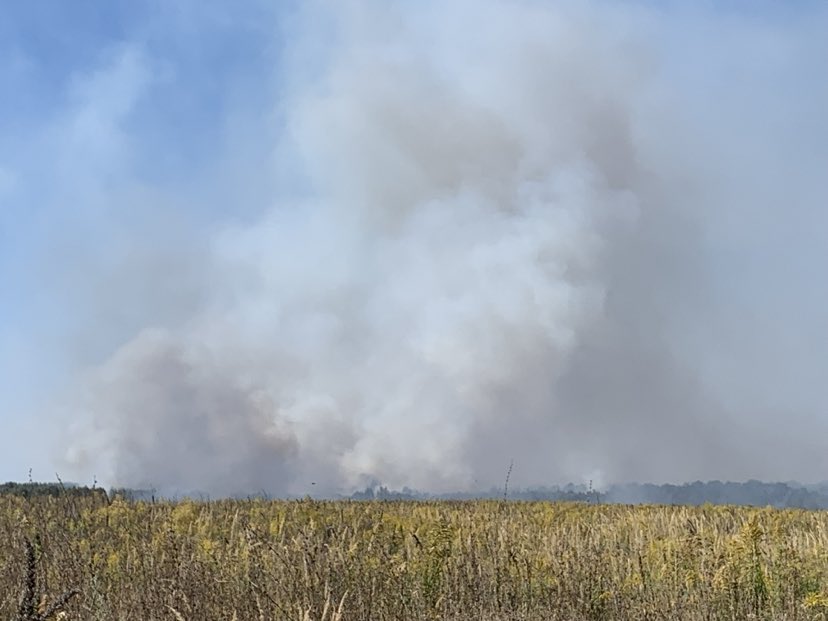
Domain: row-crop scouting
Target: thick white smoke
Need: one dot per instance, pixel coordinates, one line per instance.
(494, 255)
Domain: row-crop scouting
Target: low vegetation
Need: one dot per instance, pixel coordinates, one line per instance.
(90, 557)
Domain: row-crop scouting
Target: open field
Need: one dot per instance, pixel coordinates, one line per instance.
(311, 560)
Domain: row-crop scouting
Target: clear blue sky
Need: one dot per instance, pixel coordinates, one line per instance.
(132, 132)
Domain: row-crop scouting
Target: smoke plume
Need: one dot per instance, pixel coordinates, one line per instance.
(494, 230)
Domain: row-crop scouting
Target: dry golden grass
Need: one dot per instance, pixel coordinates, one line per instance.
(339, 561)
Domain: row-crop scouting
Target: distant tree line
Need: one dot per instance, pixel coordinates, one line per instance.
(33, 490)
(750, 493)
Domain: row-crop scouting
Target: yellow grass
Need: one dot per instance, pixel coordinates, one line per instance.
(338, 561)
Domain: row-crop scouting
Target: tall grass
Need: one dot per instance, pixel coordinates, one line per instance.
(487, 560)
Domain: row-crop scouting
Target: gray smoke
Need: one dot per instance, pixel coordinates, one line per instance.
(504, 238)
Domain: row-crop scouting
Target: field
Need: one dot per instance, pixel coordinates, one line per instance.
(323, 561)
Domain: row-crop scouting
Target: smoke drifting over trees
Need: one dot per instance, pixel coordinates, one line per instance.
(494, 230)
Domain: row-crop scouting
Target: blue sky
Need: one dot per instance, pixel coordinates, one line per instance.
(137, 138)
(99, 97)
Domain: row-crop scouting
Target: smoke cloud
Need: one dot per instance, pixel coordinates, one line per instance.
(493, 231)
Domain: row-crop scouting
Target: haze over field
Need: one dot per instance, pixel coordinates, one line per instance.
(250, 248)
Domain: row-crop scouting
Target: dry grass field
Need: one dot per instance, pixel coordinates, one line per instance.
(326, 561)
